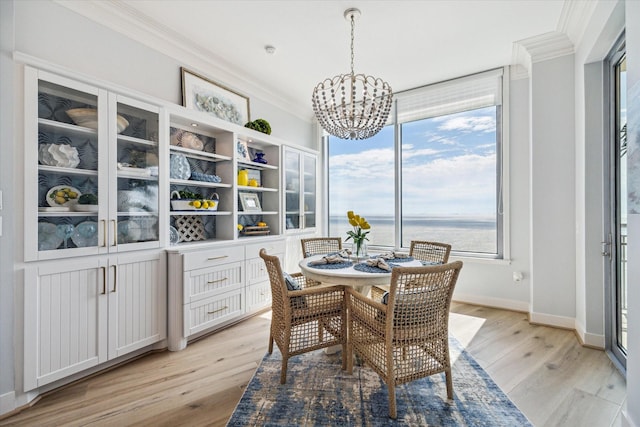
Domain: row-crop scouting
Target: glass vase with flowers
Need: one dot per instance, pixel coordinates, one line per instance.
(358, 235)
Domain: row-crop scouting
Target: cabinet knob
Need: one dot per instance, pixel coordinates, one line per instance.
(217, 257)
(217, 280)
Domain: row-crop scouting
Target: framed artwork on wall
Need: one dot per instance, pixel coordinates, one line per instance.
(202, 94)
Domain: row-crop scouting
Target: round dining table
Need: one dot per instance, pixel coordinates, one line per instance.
(348, 275)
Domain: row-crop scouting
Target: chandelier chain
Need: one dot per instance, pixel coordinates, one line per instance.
(353, 24)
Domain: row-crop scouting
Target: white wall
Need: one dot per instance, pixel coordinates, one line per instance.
(552, 188)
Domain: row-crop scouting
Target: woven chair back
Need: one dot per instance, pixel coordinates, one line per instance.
(320, 245)
(279, 301)
(430, 251)
(420, 298)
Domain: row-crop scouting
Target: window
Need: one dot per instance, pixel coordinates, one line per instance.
(445, 142)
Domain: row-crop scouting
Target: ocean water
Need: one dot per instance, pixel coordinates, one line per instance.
(463, 234)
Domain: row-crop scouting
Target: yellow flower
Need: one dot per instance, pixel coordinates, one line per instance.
(358, 235)
(240, 227)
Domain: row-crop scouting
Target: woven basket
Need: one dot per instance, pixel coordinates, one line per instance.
(178, 204)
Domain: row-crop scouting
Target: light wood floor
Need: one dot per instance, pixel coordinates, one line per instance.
(545, 371)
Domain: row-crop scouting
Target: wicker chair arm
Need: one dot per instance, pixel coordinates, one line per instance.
(365, 299)
(315, 291)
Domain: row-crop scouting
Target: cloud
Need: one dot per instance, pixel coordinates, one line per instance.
(469, 124)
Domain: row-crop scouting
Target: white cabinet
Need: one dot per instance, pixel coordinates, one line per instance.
(300, 189)
(93, 174)
(212, 287)
(205, 156)
(91, 170)
(81, 313)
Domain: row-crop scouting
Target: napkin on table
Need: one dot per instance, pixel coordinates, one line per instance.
(380, 263)
(393, 255)
(328, 259)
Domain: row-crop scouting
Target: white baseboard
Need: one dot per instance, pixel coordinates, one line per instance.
(7, 402)
(553, 320)
(591, 340)
(505, 304)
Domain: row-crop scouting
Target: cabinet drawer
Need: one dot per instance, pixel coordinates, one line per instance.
(272, 248)
(257, 270)
(206, 282)
(212, 257)
(258, 295)
(209, 312)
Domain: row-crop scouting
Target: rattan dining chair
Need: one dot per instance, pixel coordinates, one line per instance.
(407, 338)
(303, 319)
(424, 251)
(320, 245)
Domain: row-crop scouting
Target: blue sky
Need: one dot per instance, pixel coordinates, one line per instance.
(448, 162)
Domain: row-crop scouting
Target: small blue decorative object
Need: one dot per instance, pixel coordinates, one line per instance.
(260, 158)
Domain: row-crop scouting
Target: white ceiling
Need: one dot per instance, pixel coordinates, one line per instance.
(408, 43)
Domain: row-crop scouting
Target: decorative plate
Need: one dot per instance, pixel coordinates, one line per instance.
(129, 231)
(85, 234)
(174, 236)
(179, 167)
(63, 195)
(48, 237)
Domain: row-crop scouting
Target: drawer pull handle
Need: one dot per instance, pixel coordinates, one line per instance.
(210, 282)
(216, 311)
(217, 257)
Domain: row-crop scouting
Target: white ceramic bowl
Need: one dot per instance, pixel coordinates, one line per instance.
(88, 117)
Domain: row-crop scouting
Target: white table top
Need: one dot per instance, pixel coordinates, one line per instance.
(348, 276)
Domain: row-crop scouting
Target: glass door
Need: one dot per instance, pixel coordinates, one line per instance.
(616, 242)
(300, 190)
(64, 212)
(134, 217)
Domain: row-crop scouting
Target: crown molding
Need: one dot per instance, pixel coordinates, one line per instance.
(539, 48)
(126, 20)
(547, 46)
(574, 19)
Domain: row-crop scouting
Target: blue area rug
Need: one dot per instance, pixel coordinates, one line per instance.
(319, 393)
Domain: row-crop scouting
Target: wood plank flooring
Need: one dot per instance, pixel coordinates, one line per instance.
(545, 371)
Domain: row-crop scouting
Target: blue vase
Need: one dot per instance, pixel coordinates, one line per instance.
(260, 158)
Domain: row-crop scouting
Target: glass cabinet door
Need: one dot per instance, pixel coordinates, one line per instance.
(309, 191)
(62, 145)
(135, 209)
(91, 170)
(300, 190)
(292, 165)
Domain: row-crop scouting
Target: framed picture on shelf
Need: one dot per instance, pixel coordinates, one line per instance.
(202, 94)
(243, 151)
(250, 202)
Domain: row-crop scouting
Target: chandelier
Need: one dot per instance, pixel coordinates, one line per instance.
(352, 106)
